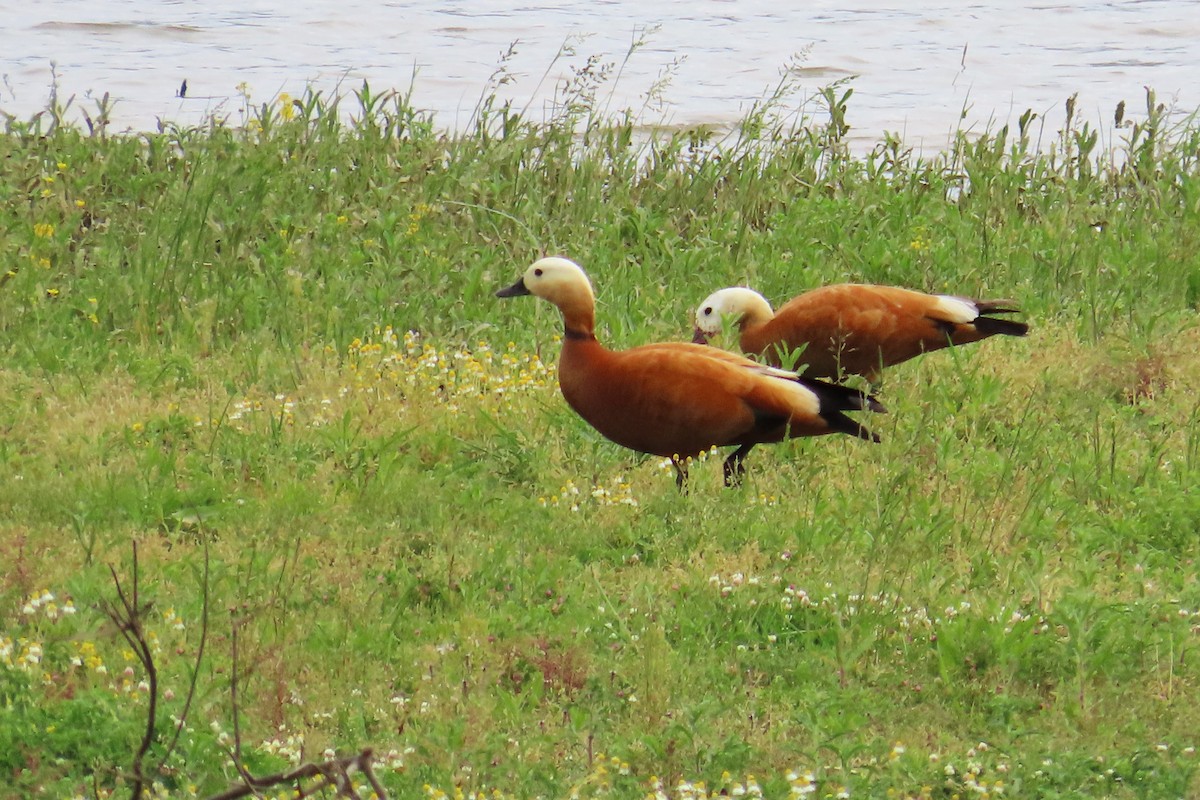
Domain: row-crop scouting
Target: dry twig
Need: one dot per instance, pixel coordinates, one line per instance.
(128, 617)
(333, 774)
(128, 614)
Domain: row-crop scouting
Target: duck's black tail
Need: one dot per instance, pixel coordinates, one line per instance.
(836, 399)
(987, 324)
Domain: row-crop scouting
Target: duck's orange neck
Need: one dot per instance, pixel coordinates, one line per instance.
(579, 319)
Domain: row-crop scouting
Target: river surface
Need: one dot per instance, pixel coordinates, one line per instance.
(918, 69)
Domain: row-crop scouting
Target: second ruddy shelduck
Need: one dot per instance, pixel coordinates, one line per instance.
(678, 399)
(852, 328)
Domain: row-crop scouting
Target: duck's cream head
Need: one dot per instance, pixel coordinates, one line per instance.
(563, 283)
(737, 306)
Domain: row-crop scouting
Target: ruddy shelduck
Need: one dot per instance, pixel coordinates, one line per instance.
(851, 328)
(679, 399)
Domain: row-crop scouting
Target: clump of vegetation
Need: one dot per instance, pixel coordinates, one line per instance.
(269, 355)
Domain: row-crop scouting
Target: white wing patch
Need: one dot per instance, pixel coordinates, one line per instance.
(806, 400)
(957, 309)
(772, 372)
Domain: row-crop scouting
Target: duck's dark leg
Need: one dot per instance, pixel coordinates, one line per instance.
(681, 474)
(733, 468)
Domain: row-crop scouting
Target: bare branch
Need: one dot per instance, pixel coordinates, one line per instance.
(364, 764)
(187, 703)
(235, 623)
(128, 619)
(128, 616)
(333, 773)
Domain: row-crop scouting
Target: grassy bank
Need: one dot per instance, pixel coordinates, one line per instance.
(270, 357)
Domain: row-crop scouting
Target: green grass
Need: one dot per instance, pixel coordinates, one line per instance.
(426, 553)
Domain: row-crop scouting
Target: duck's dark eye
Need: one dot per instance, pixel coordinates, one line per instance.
(708, 311)
(537, 272)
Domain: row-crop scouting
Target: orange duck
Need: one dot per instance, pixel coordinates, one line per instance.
(678, 400)
(851, 328)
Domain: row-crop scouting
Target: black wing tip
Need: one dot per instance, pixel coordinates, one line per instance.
(987, 323)
(840, 423)
(836, 399)
(1002, 327)
(841, 397)
(1002, 306)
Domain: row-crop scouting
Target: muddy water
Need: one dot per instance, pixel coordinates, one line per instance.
(917, 68)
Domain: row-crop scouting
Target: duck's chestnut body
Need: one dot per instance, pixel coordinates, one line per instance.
(678, 400)
(851, 328)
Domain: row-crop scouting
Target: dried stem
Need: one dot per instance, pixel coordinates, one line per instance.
(234, 623)
(187, 703)
(128, 619)
(128, 614)
(330, 774)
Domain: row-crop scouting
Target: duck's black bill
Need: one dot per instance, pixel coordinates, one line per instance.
(699, 337)
(518, 289)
